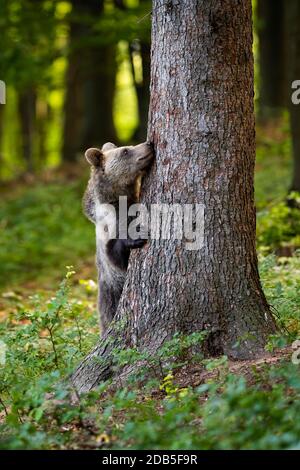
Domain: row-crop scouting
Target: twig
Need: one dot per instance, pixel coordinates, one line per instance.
(79, 334)
(144, 16)
(53, 346)
(277, 315)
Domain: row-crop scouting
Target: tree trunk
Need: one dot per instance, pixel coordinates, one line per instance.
(98, 95)
(42, 121)
(120, 4)
(202, 126)
(73, 108)
(293, 17)
(272, 57)
(90, 83)
(142, 88)
(27, 113)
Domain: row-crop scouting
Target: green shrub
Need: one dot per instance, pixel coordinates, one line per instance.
(43, 230)
(279, 225)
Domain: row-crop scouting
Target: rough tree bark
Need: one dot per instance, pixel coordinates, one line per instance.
(272, 33)
(293, 17)
(202, 126)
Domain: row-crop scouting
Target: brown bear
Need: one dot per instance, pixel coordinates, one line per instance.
(115, 172)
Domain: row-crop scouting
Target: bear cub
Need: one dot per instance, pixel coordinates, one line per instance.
(115, 171)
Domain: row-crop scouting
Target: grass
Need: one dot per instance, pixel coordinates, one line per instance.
(48, 325)
(273, 163)
(42, 231)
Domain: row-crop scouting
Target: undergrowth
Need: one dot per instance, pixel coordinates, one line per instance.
(45, 341)
(46, 331)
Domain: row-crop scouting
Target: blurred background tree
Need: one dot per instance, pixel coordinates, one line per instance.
(77, 74)
(293, 28)
(273, 90)
(278, 29)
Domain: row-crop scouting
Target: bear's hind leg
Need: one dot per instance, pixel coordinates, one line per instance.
(108, 300)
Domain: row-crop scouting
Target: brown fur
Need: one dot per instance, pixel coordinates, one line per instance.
(115, 172)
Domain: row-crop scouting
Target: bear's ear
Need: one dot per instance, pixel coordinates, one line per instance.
(94, 157)
(108, 146)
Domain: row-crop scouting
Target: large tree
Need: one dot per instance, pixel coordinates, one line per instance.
(202, 126)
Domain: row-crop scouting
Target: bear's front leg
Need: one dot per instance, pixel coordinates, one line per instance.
(118, 250)
(133, 244)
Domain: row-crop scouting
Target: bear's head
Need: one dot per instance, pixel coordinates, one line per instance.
(120, 165)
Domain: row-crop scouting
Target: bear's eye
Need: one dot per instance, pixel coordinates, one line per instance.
(125, 152)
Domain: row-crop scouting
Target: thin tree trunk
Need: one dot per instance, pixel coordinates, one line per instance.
(73, 108)
(90, 84)
(272, 57)
(98, 95)
(120, 4)
(42, 119)
(293, 17)
(143, 92)
(202, 126)
(143, 88)
(27, 113)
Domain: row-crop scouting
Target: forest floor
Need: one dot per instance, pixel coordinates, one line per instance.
(48, 322)
(195, 375)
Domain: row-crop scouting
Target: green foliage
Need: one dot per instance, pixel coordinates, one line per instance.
(281, 283)
(241, 417)
(273, 163)
(43, 229)
(27, 41)
(257, 417)
(279, 224)
(226, 413)
(177, 352)
(125, 96)
(35, 46)
(43, 343)
(128, 24)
